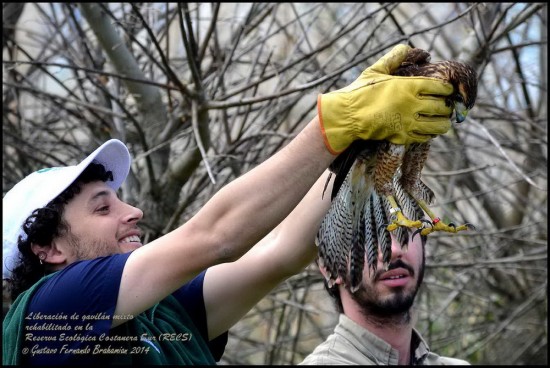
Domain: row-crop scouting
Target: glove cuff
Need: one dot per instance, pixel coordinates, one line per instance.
(334, 121)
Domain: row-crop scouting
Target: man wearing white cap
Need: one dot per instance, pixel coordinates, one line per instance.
(89, 292)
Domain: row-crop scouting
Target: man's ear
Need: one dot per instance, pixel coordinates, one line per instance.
(49, 253)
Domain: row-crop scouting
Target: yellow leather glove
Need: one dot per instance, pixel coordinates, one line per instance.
(380, 106)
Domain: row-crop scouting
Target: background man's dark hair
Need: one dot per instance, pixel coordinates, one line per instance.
(45, 224)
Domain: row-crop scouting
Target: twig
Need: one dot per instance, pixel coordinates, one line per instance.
(505, 155)
(195, 124)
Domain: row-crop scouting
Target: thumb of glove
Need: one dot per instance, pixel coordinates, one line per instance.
(388, 63)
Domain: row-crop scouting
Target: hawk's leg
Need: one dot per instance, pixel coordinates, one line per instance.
(437, 224)
(399, 219)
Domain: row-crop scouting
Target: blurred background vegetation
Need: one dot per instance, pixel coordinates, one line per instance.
(203, 92)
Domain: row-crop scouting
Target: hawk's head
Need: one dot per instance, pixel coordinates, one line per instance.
(462, 76)
(464, 80)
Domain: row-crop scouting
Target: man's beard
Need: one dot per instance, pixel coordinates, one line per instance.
(394, 308)
(89, 248)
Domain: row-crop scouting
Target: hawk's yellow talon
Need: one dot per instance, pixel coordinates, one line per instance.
(440, 226)
(401, 220)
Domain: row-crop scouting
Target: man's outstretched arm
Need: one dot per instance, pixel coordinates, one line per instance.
(230, 223)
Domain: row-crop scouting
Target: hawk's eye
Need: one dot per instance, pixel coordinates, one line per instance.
(458, 98)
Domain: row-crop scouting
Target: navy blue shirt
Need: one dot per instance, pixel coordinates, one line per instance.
(72, 313)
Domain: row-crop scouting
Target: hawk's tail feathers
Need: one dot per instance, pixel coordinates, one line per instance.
(381, 222)
(357, 254)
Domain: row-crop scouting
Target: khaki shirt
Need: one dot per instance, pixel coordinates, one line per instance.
(353, 344)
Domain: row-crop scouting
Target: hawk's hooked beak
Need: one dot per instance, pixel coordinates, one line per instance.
(461, 112)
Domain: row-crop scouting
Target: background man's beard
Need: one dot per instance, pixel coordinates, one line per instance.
(395, 308)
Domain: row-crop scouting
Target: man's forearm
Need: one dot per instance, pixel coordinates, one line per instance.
(294, 238)
(245, 210)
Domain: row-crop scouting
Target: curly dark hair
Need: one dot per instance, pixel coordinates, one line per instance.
(334, 292)
(44, 225)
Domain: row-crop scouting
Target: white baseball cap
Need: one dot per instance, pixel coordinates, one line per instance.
(42, 186)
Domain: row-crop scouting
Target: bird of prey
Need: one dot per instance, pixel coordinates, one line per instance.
(378, 180)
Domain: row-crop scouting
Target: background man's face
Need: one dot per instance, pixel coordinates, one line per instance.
(386, 293)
